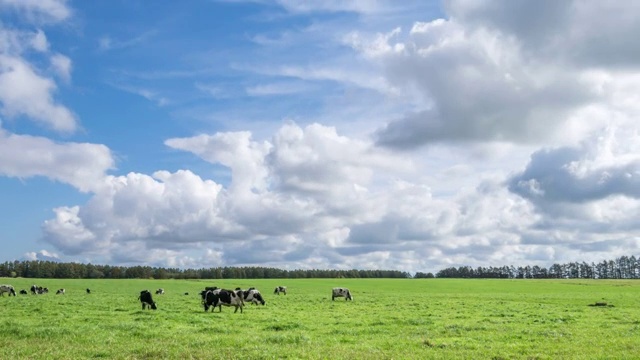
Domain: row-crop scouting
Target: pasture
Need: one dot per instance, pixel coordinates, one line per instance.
(388, 319)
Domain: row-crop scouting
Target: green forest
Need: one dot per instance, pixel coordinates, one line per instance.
(621, 268)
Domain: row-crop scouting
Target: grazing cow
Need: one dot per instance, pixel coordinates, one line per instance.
(219, 297)
(280, 289)
(88, 291)
(7, 288)
(251, 295)
(35, 289)
(160, 291)
(60, 292)
(146, 300)
(341, 292)
(203, 293)
(23, 292)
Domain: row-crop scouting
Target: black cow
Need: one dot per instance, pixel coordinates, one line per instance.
(219, 297)
(280, 289)
(203, 293)
(88, 291)
(146, 300)
(23, 292)
(341, 292)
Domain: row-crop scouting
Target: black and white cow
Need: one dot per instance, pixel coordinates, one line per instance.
(35, 289)
(280, 289)
(252, 295)
(146, 300)
(88, 291)
(23, 292)
(7, 289)
(341, 292)
(219, 297)
(160, 291)
(203, 293)
(60, 292)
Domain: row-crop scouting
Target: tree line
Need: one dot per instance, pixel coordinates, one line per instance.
(624, 267)
(62, 270)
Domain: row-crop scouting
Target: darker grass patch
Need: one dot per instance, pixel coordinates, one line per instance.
(601, 304)
(283, 327)
(287, 339)
(432, 344)
(418, 322)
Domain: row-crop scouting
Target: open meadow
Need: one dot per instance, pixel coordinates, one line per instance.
(388, 319)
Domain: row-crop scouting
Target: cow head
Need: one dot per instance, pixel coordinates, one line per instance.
(259, 297)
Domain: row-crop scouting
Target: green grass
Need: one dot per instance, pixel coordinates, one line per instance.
(389, 318)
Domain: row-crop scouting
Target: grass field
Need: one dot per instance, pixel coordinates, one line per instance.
(388, 319)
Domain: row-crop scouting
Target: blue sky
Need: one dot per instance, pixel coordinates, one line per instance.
(410, 135)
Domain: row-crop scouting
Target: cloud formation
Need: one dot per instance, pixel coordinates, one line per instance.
(501, 133)
(512, 72)
(24, 89)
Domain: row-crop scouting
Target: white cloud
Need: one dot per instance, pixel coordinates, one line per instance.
(40, 11)
(24, 89)
(39, 42)
(517, 125)
(81, 165)
(308, 197)
(61, 66)
(24, 92)
(42, 255)
(476, 85)
(107, 43)
(305, 6)
(281, 88)
(149, 94)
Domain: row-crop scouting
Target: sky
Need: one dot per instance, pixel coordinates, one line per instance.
(366, 134)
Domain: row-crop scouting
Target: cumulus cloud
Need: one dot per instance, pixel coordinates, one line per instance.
(500, 71)
(307, 197)
(24, 89)
(42, 255)
(24, 92)
(473, 95)
(591, 187)
(81, 165)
